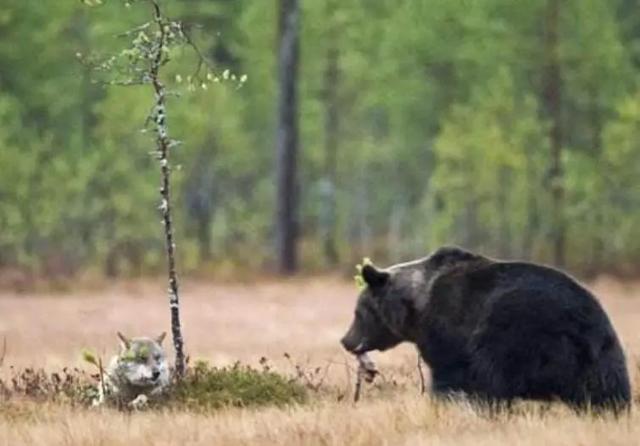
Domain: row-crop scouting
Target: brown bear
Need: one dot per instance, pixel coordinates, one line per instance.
(494, 330)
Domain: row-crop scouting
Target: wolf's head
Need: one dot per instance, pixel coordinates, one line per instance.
(142, 361)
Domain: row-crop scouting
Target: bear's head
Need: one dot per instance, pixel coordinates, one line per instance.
(389, 308)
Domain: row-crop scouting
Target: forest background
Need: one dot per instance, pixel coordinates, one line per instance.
(508, 128)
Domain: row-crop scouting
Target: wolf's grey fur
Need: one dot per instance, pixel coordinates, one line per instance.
(494, 330)
(138, 372)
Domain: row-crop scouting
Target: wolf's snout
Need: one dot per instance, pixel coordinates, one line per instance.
(155, 375)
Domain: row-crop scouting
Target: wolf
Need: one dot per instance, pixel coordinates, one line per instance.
(140, 371)
(494, 331)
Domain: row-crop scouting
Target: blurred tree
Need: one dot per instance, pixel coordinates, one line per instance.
(331, 129)
(480, 192)
(552, 97)
(287, 138)
(405, 146)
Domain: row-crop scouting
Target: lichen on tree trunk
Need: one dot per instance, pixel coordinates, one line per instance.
(163, 146)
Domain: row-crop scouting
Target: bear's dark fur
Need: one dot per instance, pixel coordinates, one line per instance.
(495, 330)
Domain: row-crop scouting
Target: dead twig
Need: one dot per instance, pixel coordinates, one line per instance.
(312, 377)
(101, 375)
(423, 388)
(4, 350)
(366, 371)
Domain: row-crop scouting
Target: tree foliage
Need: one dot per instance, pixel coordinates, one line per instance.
(443, 135)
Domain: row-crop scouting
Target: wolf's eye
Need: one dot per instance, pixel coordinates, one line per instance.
(157, 357)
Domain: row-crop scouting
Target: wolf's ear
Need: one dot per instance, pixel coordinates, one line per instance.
(126, 342)
(373, 276)
(160, 338)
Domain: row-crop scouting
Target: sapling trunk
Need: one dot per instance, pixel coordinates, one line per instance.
(141, 64)
(163, 146)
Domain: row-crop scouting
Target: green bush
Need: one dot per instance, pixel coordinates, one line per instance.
(205, 387)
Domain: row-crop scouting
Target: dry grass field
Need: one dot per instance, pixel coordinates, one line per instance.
(302, 317)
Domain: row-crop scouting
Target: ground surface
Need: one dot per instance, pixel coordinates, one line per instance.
(304, 318)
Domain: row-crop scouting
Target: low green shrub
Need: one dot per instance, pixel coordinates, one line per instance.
(205, 388)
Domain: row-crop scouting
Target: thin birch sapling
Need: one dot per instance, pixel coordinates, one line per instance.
(141, 63)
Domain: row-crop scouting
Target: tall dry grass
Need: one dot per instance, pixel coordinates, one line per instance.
(304, 318)
(404, 419)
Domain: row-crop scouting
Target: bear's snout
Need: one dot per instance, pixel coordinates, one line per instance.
(352, 342)
(346, 344)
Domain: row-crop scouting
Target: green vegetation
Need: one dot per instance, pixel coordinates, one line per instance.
(202, 388)
(205, 387)
(445, 134)
(360, 283)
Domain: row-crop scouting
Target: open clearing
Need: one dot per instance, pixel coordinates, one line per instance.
(302, 317)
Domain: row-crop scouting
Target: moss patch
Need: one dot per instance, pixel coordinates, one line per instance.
(205, 388)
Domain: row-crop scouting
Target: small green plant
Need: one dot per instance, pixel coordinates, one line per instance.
(95, 360)
(206, 388)
(360, 283)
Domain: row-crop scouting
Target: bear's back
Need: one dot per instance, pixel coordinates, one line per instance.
(463, 296)
(543, 286)
(541, 335)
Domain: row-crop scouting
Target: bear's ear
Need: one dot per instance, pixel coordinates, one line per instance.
(374, 277)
